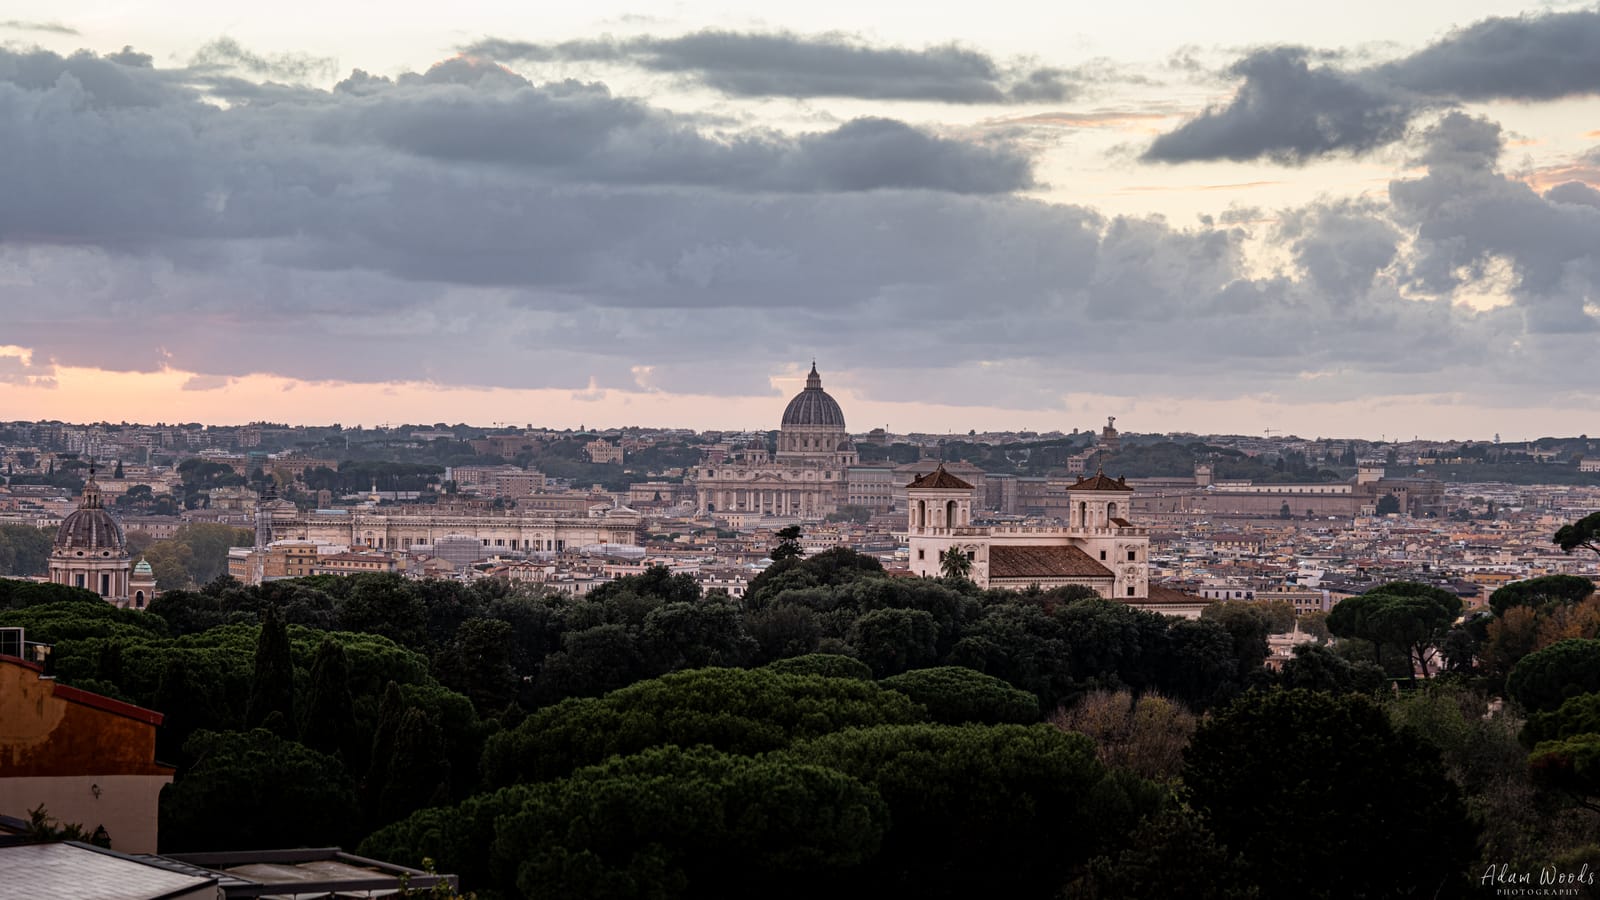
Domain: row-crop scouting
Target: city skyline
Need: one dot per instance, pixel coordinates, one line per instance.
(657, 214)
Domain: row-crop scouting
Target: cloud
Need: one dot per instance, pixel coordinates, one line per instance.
(206, 382)
(784, 64)
(474, 230)
(17, 368)
(582, 133)
(227, 54)
(1543, 57)
(1468, 215)
(45, 27)
(1289, 111)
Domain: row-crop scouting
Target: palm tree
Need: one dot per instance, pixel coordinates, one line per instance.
(954, 563)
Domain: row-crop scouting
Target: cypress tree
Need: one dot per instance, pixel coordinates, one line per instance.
(330, 709)
(390, 711)
(272, 688)
(418, 774)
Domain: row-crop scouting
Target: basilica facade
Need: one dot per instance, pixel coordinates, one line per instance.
(805, 478)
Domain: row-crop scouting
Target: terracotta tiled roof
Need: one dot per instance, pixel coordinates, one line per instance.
(939, 478)
(1043, 562)
(1121, 523)
(1159, 594)
(1100, 482)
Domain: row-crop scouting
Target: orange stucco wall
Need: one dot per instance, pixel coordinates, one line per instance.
(42, 734)
(89, 760)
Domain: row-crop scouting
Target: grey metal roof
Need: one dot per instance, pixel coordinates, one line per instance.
(82, 872)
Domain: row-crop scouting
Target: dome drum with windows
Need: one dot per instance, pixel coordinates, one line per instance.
(90, 550)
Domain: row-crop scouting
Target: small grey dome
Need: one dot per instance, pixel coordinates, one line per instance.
(813, 406)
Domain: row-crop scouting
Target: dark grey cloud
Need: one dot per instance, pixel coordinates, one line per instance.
(45, 27)
(1289, 110)
(582, 132)
(1530, 57)
(783, 64)
(344, 235)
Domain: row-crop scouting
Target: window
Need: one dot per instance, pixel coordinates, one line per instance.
(1102, 554)
(1132, 555)
(1130, 590)
(921, 554)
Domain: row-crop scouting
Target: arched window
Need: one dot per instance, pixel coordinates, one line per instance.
(1111, 511)
(922, 513)
(950, 514)
(1083, 515)
(138, 599)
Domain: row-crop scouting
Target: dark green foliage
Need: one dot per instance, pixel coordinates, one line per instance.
(829, 568)
(783, 630)
(693, 635)
(656, 583)
(1584, 533)
(691, 823)
(788, 546)
(1315, 667)
(739, 711)
(891, 641)
(1170, 854)
(189, 702)
(830, 665)
(1000, 811)
(591, 662)
(383, 604)
(81, 615)
(1388, 505)
(1539, 593)
(417, 774)
(1570, 764)
(42, 829)
(956, 695)
(1019, 642)
(329, 723)
(391, 710)
(24, 550)
(477, 663)
(1577, 715)
(272, 680)
(15, 594)
(1202, 663)
(255, 790)
(1248, 625)
(1406, 616)
(1321, 797)
(459, 839)
(1545, 679)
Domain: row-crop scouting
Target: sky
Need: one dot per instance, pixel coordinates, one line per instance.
(1363, 219)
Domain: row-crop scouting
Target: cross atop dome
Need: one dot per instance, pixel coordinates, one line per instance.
(813, 381)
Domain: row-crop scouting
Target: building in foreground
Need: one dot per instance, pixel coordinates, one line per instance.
(88, 760)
